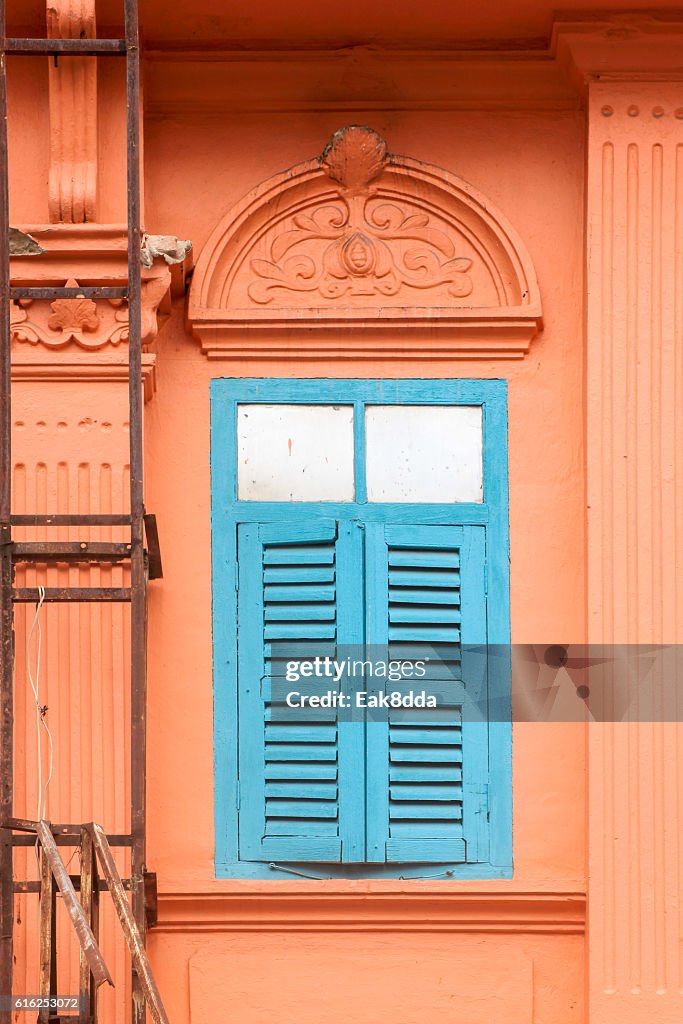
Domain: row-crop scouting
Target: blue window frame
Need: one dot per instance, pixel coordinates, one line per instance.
(386, 797)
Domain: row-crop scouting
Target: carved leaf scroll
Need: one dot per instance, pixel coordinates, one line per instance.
(367, 254)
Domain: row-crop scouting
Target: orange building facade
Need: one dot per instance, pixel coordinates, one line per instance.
(526, 173)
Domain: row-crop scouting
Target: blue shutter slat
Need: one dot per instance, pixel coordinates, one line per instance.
(427, 613)
(299, 574)
(424, 596)
(417, 633)
(300, 631)
(322, 610)
(275, 752)
(291, 772)
(421, 558)
(285, 841)
(425, 773)
(426, 779)
(426, 850)
(307, 732)
(438, 733)
(434, 756)
(276, 807)
(424, 791)
(426, 580)
(299, 555)
(304, 791)
(279, 653)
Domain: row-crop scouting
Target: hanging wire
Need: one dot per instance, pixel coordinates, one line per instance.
(41, 709)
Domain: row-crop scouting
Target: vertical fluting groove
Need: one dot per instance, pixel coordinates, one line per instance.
(630, 415)
(657, 387)
(677, 384)
(605, 440)
(631, 420)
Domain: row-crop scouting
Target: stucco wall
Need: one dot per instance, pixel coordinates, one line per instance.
(529, 165)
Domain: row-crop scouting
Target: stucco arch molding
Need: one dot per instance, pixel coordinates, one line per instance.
(362, 253)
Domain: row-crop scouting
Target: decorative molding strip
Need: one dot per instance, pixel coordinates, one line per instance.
(213, 82)
(72, 193)
(90, 368)
(308, 909)
(289, 337)
(362, 239)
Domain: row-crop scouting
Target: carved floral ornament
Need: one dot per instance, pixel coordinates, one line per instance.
(90, 325)
(356, 240)
(364, 256)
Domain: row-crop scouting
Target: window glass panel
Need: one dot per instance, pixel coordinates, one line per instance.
(295, 453)
(424, 453)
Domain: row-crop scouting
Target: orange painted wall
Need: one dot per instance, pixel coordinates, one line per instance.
(303, 951)
(518, 161)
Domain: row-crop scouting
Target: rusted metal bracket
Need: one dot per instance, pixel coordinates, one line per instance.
(149, 881)
(154, 566)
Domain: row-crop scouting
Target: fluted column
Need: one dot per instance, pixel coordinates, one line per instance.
(634, 466)
(634, 430)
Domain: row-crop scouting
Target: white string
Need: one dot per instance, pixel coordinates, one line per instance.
(41, 710)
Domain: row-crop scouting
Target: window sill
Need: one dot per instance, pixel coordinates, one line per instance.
(391, 905)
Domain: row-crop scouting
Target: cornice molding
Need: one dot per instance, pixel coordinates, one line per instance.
(622, 46)
(305, 908)
(372, 251)
(78, 367)
(216, 84)
(86, 254)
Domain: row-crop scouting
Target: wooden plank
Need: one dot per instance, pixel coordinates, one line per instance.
(47, 984)
(129, 926)
(90, 901)
(73, 907)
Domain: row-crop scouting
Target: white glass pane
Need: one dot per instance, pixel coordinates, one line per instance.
(295, 453)
(424, 453)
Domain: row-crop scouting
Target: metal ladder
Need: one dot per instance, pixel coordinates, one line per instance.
(143, 563)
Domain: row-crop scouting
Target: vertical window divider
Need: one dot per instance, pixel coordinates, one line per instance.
(361, 490)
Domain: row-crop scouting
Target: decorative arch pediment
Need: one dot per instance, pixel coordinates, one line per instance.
(367, 247)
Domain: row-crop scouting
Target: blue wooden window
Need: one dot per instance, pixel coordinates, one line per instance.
(320, 795)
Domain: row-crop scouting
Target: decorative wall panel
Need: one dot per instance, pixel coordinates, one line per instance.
(361, 238)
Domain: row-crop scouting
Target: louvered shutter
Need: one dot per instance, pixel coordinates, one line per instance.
(301, 772)
(427, 772)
